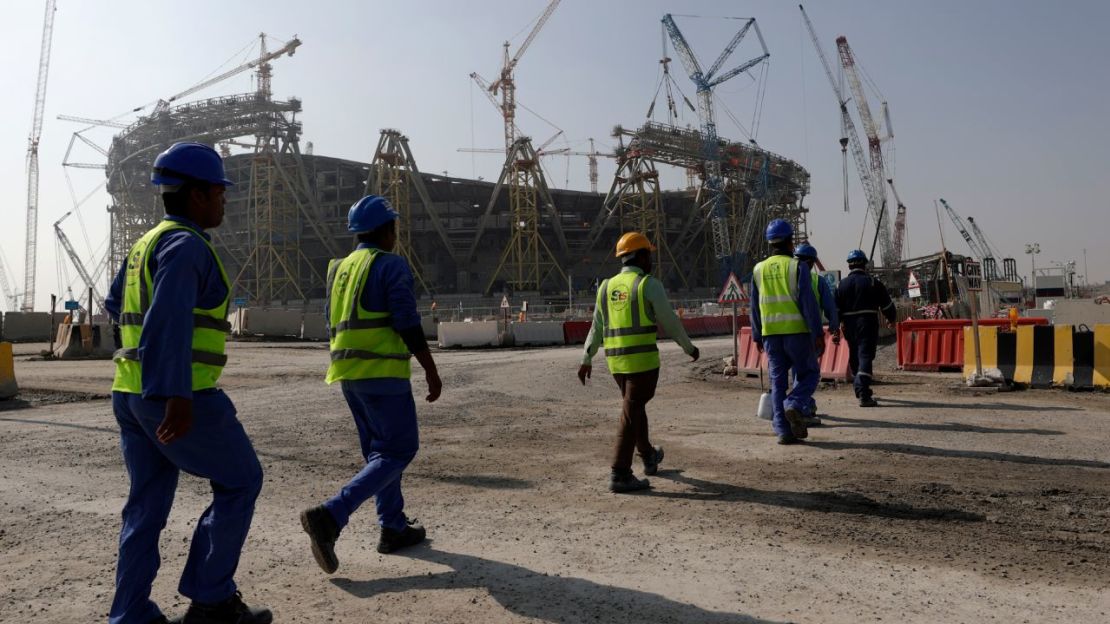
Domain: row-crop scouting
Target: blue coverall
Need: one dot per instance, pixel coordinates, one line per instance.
(216, 448)
(827, 301)
(860, 298)
(791, 351)
(383, 409)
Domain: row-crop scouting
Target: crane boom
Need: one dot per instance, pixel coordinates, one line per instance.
(899, 220)
(33, 160)
(535, 30)
(108, 123)
(289, 48)
(972, 244)
(10, 298)
(76, 260)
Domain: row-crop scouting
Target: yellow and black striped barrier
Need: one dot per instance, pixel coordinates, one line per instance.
(1041, 356)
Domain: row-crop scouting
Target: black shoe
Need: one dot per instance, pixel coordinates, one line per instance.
(812, 420)
(392, 541)
(161, 619)
(868, 402)
(230, 611)
(624, 483)
(797, 424)
(788, 439)
(651, 466)
(322, 531)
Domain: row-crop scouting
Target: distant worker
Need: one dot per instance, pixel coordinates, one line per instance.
(375, 330)
(786, 325)
(827, 299)
(860, 298)
(170, 299)
(629, 307)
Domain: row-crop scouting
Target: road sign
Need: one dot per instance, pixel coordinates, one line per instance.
(733, 292)
(914, 286)
(72, 305)
(504, 302)
(974, 272)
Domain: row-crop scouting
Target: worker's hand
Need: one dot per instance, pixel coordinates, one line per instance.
(584, 373)
(435, 385)
(759, 346)
(819, 345)
(177, 421)
(695, 355)
(835, 336)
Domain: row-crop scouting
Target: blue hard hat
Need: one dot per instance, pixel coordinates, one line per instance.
(189, 162)
(806, 251)
(370, 213)
(779, 230)
(857, 256)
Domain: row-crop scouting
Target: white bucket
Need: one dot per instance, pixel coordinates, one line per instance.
(765, 411)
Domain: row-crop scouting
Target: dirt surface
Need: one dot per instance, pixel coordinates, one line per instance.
(942, 506)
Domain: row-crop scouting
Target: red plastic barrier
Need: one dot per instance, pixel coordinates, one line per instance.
(575, 332)
(694, 326)
(934, 345)
(834, 361)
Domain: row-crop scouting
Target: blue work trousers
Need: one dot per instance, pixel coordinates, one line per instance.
(389, 437)
(862, 333)
(811, 409)
(215, 448)
(785, 352)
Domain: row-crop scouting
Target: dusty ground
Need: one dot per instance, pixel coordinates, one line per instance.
(943, 506)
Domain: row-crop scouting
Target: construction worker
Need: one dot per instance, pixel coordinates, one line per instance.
(170, 299)
(630, 305)
(860, 298)
(786, 325)
(375, 330)
(827, 300)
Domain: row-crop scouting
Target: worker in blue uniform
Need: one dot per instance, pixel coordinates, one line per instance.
(860, 299)
(375, 331)
(170, 300)
(808, 254)
(786, 325)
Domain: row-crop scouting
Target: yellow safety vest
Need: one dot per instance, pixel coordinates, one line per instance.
(210, 326)
(364, 344)
(777, 281)
(630, 331)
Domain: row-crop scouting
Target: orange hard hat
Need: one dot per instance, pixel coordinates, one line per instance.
(631, 242)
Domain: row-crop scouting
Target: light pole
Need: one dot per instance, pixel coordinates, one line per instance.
(1033, 249)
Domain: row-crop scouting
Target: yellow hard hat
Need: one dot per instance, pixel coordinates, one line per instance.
(631, 242)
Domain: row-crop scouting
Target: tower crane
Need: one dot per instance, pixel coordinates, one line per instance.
(705, 81)
(33, 160)
(872, 187)
(90, 281)
(506, 84)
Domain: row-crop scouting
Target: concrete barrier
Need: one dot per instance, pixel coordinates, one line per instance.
(462, 334)
(430, 327)
(271, 323)
(83, 341)
(27, 326)
(8, 387)
(1073, 356)
(538, 333)
(314, 327)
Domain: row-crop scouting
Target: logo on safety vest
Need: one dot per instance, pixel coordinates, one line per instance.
(341, 281)
(618, 299)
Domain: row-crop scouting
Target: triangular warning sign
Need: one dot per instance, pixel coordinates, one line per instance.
(504, 302)
(913, 282)
(733, 292)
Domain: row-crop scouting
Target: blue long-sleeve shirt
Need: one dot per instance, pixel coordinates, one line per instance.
(828, 303)
(807, 304)
(186, 276)
(390, 287)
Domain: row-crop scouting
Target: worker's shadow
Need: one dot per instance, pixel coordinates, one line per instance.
(828, 502)
(1010, 407)
(929, 451)
(534, 595)
(842, 421)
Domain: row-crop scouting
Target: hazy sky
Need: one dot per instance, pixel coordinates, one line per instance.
(998, 106)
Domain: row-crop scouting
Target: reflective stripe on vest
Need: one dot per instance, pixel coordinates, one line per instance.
(210, 326)
(363, 344)
(630, 331)
(776, 278)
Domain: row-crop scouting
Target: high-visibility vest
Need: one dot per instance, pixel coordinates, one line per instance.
(777, 281)
(210, 326)
(363, 344)
(630, 331)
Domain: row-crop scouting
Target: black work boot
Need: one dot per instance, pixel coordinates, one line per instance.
(868, 401)
(230, 611)
(651, 464)
(392, 540)
(797, 423)
(788, 439)
(627, 482)
(322, 532)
